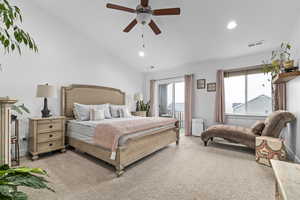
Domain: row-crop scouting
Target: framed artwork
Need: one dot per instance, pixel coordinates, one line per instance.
(201, 84)
(211, 87)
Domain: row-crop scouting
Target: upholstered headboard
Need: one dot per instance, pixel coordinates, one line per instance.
(90, 95)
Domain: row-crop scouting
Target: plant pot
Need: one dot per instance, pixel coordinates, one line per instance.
(276, 63)
(288, 64)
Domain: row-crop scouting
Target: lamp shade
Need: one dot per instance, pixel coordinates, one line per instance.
(46, 91)
(138, 97)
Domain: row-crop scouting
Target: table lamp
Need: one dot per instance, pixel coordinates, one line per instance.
(46, 91)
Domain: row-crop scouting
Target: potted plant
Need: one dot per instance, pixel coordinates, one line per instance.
(20, 109)
(144, 107)
(11, 179)
(280, 60)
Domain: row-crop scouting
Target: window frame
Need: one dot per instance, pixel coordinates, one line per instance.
(244, 72)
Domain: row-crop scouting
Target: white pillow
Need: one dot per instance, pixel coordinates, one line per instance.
(104, 107)
(115, 110)
(81, 112)
(124, 113)
(96, 115)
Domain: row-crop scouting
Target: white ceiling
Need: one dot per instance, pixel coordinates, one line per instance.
(198, 34)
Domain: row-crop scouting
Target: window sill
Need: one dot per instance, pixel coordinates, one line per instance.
(231, 115)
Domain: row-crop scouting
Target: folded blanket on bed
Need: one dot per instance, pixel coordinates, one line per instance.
(107, 134)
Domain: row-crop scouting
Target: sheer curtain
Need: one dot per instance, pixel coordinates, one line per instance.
(220, 98)
(188, 82)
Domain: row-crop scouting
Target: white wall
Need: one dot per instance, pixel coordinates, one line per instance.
(293, 101)
(204, 101)
(65, 57)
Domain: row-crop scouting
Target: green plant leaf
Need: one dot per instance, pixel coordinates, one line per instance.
(6, 190)
(19, 196)
(14, 36)
(4, 167)
(24, 108)
(17, 109)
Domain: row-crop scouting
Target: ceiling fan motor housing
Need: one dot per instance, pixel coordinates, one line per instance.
(144, 14)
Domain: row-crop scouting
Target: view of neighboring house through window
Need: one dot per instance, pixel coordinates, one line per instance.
(248, 92)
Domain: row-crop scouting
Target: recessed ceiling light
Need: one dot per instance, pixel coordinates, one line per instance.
(231, 25)
(142, 54)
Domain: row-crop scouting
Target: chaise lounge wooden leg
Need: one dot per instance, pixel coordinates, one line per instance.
(119, 170)
(211, 139)
(205, 143)
(177, 132)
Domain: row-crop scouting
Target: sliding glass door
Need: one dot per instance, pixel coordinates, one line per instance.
(171, 100)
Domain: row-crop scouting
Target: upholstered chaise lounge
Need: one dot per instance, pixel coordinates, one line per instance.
(271, 127)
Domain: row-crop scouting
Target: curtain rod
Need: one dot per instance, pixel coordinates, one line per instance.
(244, 68)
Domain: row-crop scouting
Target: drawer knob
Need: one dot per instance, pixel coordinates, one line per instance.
(51, 126)
(50, 135)
(50, 144)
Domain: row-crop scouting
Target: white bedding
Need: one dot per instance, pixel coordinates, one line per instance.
(85, 130)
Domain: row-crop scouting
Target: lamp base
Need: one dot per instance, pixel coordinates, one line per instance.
(46, 111)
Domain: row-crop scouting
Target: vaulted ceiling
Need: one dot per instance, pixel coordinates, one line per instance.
(199, 34)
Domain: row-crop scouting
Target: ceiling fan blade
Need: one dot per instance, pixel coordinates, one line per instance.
(154, 27)
(167, 11)
(144, 3)
(122, 8)
(130, 26)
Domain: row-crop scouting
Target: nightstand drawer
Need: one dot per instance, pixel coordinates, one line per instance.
(49, 146)
(46, 137)
(44, 127)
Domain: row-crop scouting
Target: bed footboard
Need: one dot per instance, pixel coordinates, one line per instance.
(135, 149)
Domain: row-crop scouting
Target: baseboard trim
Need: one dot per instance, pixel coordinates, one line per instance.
(292, 154)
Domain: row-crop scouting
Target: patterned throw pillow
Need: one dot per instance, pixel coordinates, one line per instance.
(104, 107)
(258, 127)
(124, 113)
(82, 111)
(118, 111)
(96, 115)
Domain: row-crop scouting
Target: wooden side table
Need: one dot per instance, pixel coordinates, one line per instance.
(140, 113)
(46, 135)
(268, 148)
(287, 177)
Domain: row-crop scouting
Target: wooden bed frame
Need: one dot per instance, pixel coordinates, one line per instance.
(135, 149)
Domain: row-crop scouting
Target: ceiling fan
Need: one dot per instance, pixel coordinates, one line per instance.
(144, 15)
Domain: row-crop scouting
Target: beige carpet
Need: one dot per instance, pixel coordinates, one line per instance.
(187, 172)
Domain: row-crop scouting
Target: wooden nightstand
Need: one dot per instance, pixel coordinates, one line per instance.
(46, 135)
(140, 113)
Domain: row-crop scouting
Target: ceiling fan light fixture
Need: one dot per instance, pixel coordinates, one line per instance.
(143, 18)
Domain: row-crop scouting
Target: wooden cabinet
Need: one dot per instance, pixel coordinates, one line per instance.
(46, 135)
(140, 113)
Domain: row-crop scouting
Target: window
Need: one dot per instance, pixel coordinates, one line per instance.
(248, 92)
